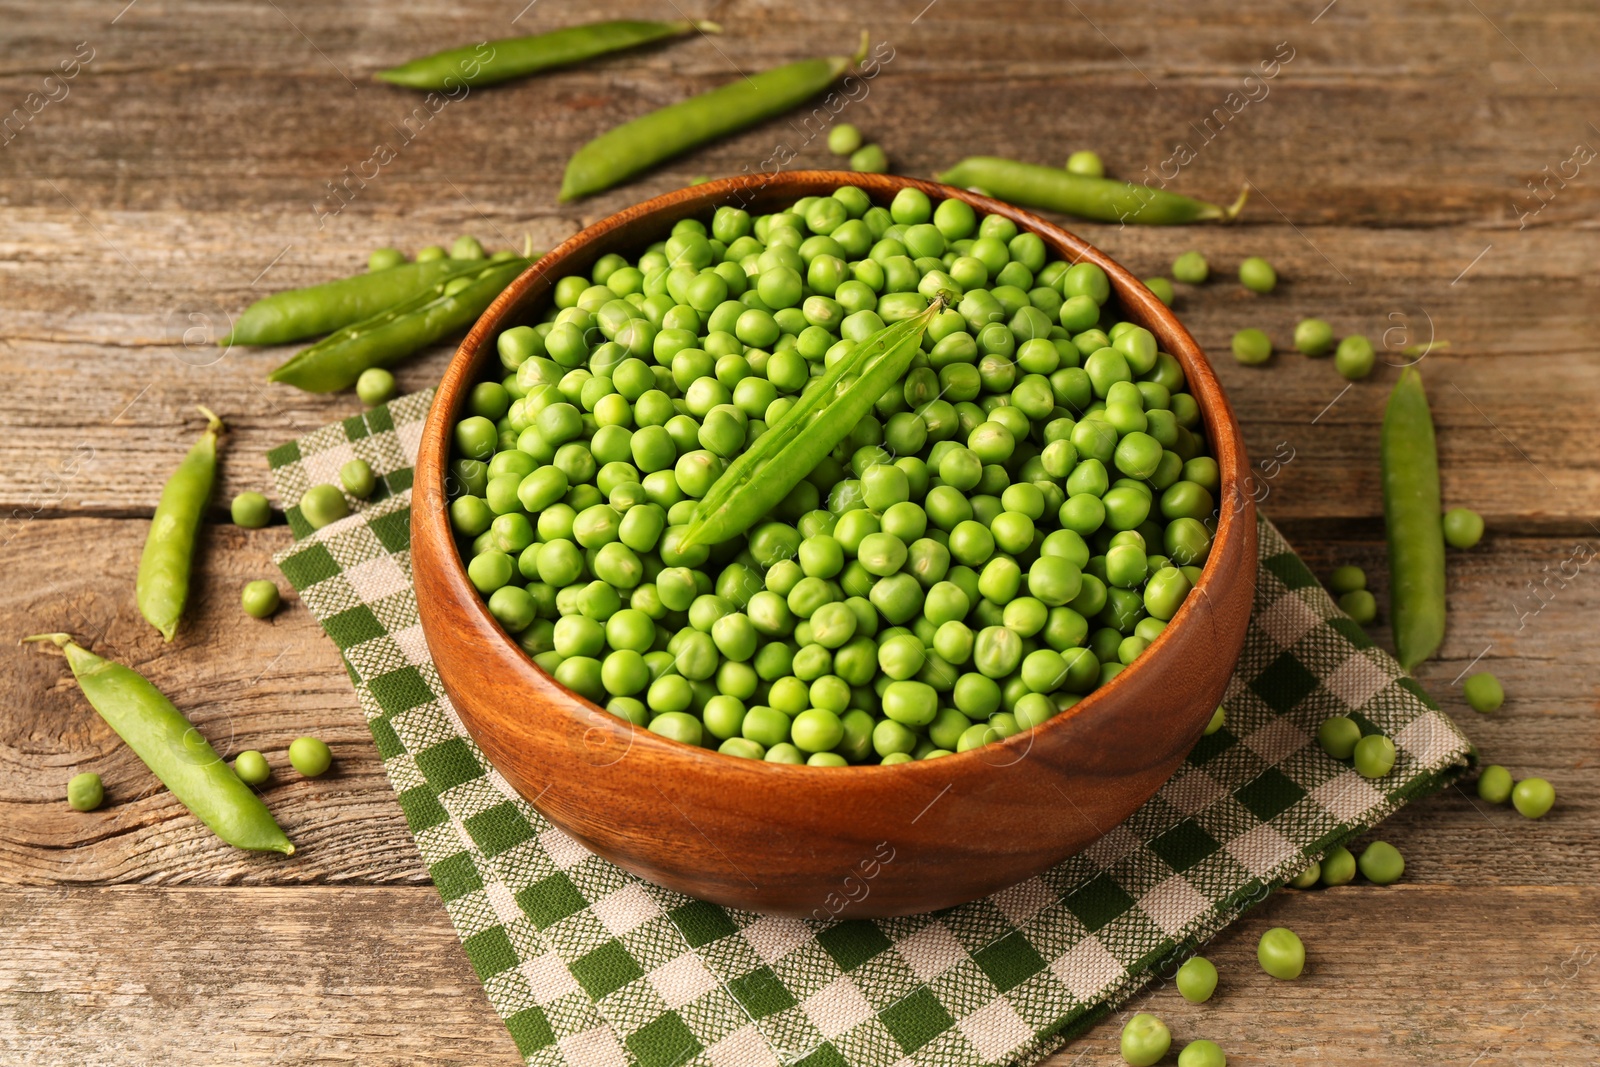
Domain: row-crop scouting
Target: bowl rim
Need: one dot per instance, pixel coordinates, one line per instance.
(1224, 439)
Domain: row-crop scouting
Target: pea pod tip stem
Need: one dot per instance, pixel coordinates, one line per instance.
(58, 639)
(214, 423)
(1231, 212)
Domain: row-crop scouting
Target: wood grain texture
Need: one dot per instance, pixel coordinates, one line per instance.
(176, 181)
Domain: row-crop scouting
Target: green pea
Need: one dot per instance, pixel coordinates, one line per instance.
(1360, 605)
(1145, 1040)
(1281, 953)
(1191, 268)
(310, 756)
(85, 792)
(1374, 756)
(869, 159)
(324, 504)
(251, 510)
(1381, 863)
(1197, 979)
(375, 386)
(259, 598)
(1463, 527)
(252, 767)
(1354, 359)
(1533, 797)
(357, 478)
(1494, 784)
(1338, 736)
(1252, 347)
(1257, 275)
(1202, 1053)
(1483, 692)
(1308, 877)
(1347, 579)
(1338, 866)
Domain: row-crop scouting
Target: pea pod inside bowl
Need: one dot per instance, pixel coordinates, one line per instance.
(964, 615)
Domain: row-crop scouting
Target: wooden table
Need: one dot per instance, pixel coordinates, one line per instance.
(189, 167)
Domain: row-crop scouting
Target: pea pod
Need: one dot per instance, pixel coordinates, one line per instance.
(173, 749)
(794, 445)
(641, 144)
(336, 361)
(295, 314)
(162, 588)
(1411, 517)
(516, 57)
(1100, 199)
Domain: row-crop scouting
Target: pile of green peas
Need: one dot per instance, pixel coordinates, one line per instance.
(1012, 525)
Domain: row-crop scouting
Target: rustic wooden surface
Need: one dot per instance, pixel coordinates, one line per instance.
(174, 183)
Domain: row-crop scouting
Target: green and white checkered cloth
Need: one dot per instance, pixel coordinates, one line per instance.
(590, 966)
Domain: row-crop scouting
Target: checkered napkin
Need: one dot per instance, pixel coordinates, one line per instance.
(590, 966)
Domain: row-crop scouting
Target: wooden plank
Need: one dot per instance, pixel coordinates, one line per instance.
(373, 976)
(262, 976)
(252, 684)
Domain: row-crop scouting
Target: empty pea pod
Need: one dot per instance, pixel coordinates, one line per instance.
(1410, 461)
(295, 314)
(639, 145)
(162, 588)
(173, 749)
(1101, 199)
(516, 57)
(337, 360)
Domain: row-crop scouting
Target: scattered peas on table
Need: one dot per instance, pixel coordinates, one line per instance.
(1347, 579)
(1252, 347)
(1307, 877)
(357, 478)
(1338, 736)
(384, 258)
(1313, 337)
(1191, 268)
(1483, 692)
(259, 598)
(252, 767)
(374, 386)
(85, 792)
(1257, 275)
(1354, 359)
(1374, 756)
(1161, 288)
(653, 482)
(870, 159)
(1533, 797)
(1086, 163)
(1463, 528)
(1145, 1040)
(1219, 718)
(844, 139)
(1360, 605)
(1196, 979)
(1281, 953)
(250, 510)
(1495, 784)
(310, 756)
(322, 504)
(1202, 1053)
(1338, 866)
(1381, 863)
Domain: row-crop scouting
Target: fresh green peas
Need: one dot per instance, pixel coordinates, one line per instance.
(323, 504)
(310, 756)
(1354, 359)
(357, 478)
(85, 792)
(1145, 1040)
(844, 139)
(1381, 863)
(1494, 784)
(869, 159)
(1308, 877)
(1252, 347)
(1374, 756)
(1197, 979)
(1347, 579)
(251, 510)
(1360, 605)
(1219, 719)
(1313, 337)
(1463, 527)
(259, 599)
(1533, 797)
(1338, 735)
(1191, 268)
(1483, 692)
(375, 386)
(1257, 275)
(1281, 953)
(1202, 1053)
(252, 767)
(1338, 867)
(1087, 163)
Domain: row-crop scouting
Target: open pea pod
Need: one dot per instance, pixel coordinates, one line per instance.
(794, 445)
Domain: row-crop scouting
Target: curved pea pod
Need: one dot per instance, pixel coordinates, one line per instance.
(295, 314)
(793, 446)
(639, 145)
(517, 57)
(336, 361)
(162, 588)
(1411, 518)
(1101, 199)
(173, 749)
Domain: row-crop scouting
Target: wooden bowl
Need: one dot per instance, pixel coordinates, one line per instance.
(812, 841)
